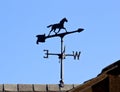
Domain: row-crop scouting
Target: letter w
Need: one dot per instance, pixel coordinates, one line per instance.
(76, 55)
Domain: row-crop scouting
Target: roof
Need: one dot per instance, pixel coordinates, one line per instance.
(110, 74)
(112, 69)
(35, 87)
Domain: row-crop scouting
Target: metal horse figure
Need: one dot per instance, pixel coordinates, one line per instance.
(59, 26)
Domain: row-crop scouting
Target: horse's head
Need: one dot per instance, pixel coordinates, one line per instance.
(65, 19)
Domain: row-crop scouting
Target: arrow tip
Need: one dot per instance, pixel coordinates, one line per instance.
(80, 29)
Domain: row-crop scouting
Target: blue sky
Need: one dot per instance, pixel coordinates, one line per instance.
(21, 20)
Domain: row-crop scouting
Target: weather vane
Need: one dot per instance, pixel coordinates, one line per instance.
(62, 54)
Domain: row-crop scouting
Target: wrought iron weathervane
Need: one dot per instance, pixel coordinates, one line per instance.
(62, 54)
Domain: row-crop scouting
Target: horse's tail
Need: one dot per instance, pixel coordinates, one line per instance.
(49, 26)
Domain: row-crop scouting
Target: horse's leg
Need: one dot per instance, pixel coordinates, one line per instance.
(65, 29)
(50, 32)
(58, 30)
(55, 31)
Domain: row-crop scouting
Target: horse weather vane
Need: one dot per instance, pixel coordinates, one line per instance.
(62, 54)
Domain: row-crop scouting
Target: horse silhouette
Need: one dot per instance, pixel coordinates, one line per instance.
(59, 26)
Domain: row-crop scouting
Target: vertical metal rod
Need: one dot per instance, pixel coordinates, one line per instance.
(61, 64)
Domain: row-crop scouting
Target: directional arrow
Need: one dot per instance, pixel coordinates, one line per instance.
(42, 38)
